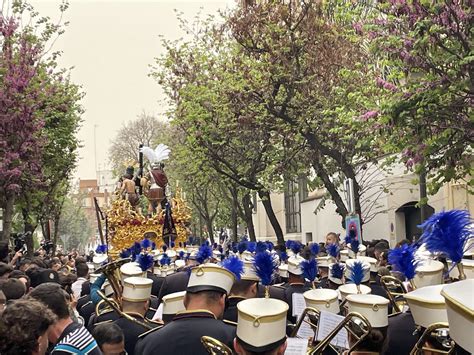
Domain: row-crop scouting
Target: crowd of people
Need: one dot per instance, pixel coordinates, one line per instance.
(245, 299)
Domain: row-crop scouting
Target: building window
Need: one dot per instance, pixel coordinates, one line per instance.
(303, 188)
(292, 207)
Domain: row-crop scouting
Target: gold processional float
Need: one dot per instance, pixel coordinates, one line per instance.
(128, 220)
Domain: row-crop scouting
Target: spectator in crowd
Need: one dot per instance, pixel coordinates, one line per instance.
(13, 289)
(66, 336)
(82, 270)
(24, 328)
(17, 274)
(110, 338)
(5, 270)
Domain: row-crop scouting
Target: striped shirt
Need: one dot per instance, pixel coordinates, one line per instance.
(75, 339)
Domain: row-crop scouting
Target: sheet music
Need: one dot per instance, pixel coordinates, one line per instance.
(305, 330)
(299, 304)
(159, 313)
(296, 346)
(329, 321)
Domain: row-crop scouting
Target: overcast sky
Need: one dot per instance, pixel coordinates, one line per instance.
(111, 44)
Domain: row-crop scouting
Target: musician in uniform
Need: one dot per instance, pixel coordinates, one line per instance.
(205, 302)
(261, 327)
(135, 299)
(242, 289)
(296, 283)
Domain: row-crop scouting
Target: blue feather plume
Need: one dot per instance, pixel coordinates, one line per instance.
(403, 260)
(356, 274)
(283, 256)
(186, 258)
(164, 247)
(135, 250)
(146, 243)
(125, 254)
(296, 247)
(310, 269)
(204, 253)
(145, 261)
(234, 248)
(153, 246)
(242, 247)
(333, 250)
(252, 247)
(165, 260)
(314, 249)
(448, 232)
(355, 245)
(288, 244)
(214, 246)
(234, 265)
(101, 249)
(220, 249)
(261, 247)
(181, 254)
(270, 245)
(337, 271)
(172, 244)
(265, 266)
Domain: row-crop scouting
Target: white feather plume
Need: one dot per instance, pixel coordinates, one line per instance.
(160, 153)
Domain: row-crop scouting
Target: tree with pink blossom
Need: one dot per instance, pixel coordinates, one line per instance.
(427, 49)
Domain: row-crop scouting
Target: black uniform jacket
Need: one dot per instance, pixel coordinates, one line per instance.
(230, 313)
(132, 330)
(289, 291)
(157, 282)
(401, 340)
(174, 283)
(183, 335)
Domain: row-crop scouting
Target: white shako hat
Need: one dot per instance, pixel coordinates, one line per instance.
(131, 269)
(324, 261)
(294, 265)
(344, 255)
(98, 260)
(323, 299)
(372, 307)
(371, 261)
(261, 324)
(366, 265)
(91, 266)
(459, 297)
(468, 266)
(173, 303)
(137, 289)
(361, 252)
(179, 263)
(93, 277)
(249, 271)
(429, 272)
(427, 305)
(283, 270)
(351, 289)
(210, 277)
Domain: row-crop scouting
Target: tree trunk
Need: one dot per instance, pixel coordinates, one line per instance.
(210, 230)
(8, 217)
(29, 229)
(247, 204)
(55, 233)
(235, 221)
(267, 204)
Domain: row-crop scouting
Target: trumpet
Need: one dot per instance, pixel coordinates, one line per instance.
(439, 331)
(114, 306)
(363, 325)
(395, 291)
(214, 346)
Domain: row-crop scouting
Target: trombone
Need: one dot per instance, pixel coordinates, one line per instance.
(214, 346)
(112, 273)
(313, 316)
(439, 331)
(395, 291)
(363, 324)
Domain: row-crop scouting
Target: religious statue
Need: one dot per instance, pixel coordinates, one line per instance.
(128, 188)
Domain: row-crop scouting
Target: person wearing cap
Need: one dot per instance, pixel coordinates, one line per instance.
(261, 327)
(172, 305)
(205, 303)
(375, 309)
(242, 289)
(135, 302)
(296, 283)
